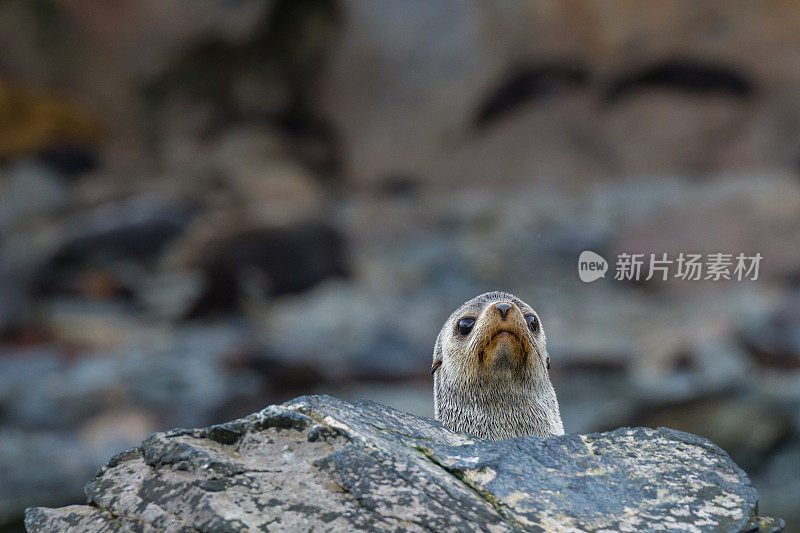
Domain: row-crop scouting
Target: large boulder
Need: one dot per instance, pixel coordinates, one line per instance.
(318, 463)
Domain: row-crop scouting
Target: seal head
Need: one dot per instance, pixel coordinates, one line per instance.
(491, 371)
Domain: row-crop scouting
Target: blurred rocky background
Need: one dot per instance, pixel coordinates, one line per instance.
(207, 206)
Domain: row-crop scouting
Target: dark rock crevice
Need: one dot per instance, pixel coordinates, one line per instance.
(501, 509)
(686, 75)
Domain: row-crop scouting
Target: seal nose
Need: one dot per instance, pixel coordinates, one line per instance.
(503, 308)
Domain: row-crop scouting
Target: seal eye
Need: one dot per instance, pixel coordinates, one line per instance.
(533, 322)
(465, 325)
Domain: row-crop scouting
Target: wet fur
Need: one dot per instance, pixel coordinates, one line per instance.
(512, 396)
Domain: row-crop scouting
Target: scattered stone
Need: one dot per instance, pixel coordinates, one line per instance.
(720, 419)
(149, 35)
(271, 188)
(112, 239)
(31, 190)
(357, 324)
(698, 370)
(182, 377)
(69, 160)
(272, 261)
(774, 341)
(138, 226)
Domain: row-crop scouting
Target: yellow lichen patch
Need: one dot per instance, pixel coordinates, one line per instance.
(593, 472)
(336, 424)
(560, 523)
(481, 476)
(31, 121)
(516, 497)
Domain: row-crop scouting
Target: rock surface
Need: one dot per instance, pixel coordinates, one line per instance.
(318, 463)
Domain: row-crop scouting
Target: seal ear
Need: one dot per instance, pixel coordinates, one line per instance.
(437, 354)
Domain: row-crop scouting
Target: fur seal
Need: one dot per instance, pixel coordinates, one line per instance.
(491, 371)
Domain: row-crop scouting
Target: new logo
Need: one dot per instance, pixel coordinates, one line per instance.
(591, 266)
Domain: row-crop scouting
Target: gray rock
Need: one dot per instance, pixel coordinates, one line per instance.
(318, 463)
(432, 70)
(779, 482)
(350, 345)
(180, 26)
(774, 340)
(41, 466)
(33, 190)
(181, 375)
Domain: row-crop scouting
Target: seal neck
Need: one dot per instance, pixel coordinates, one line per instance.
(498, 412)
